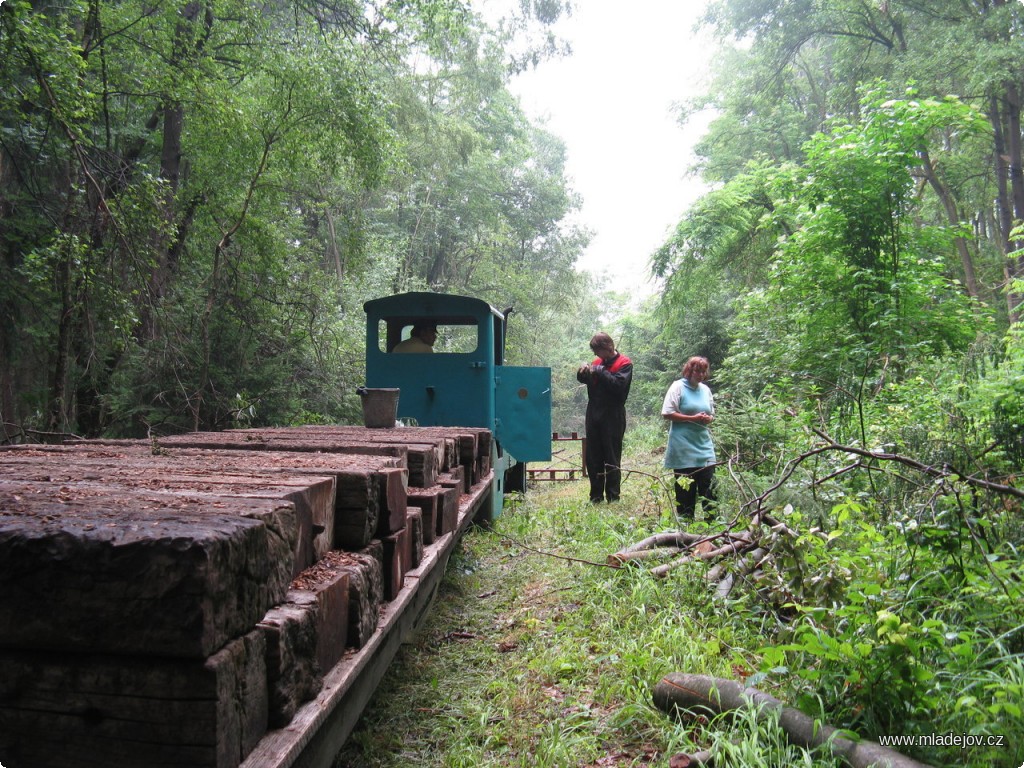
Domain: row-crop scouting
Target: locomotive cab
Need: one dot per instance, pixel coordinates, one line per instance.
(464, 381)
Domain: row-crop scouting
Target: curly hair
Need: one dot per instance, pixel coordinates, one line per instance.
(695, 365)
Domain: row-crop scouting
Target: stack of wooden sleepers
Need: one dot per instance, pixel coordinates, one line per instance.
(217, 599)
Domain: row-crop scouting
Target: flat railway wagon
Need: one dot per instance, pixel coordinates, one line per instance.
(233, 598)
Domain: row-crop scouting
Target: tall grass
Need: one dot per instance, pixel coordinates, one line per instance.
(536, 654)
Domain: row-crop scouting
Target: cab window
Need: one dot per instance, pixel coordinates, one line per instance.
(457, 337)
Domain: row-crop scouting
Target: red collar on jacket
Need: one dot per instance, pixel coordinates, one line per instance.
(616, 364)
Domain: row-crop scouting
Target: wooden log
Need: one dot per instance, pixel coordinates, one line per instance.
(726, 580)
(324, 588)
(394, 494)
(353, 474)
(293, 674)
(406, 545)
(665, 539)
(706, 550)
(357, 504)
(364, 562)
(313, 497)
(449, 444)
(724, 587)
(468, 450)
(665, 569)
(713, 695)
(420, 459)
(357, 515)
(621, 558)
(425, 454)
(451, 454)
(484, 449)
(321, 727)
(149, 574)
(255, 440)
(85, 710)
(752, 560)
(448, 510)
(397, 554)
(414, 522)
(716, 573)
(452, 446)
(366, 592)
(423, 466)
(464, 448)
(484, 444)
(427, 503)
(453, 479)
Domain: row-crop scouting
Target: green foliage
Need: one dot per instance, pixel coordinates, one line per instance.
(999, 398)
(1008, 410)
(803, 64)
(899, 598)
(917, 626)
(196, 199)
(896, 607)
(857, 285)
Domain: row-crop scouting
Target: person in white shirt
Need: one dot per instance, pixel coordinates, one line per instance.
(690, 407)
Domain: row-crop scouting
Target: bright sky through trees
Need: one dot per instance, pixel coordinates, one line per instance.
(611, 101)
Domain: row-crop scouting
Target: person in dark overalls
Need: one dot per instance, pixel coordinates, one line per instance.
(608, 379)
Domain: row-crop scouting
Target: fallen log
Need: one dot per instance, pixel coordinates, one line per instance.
(676, 539)
(621, 558)
(714, 695)
(725, 586)
(716, 573)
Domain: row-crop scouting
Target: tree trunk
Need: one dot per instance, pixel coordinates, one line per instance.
(954, 220)
(717, 695)
(1004, 114)
(333, 249)
(59, 417)
(166, 251)
(1015, 265)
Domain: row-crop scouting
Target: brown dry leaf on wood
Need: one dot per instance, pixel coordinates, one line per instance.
(322, 571)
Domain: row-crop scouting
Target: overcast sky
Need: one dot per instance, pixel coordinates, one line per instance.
(611, 102)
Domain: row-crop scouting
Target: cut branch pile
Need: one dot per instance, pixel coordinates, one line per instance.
(750, 547)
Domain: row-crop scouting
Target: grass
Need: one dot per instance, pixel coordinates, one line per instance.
(537, 654)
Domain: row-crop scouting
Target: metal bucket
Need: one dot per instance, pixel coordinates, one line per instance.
(380, 406)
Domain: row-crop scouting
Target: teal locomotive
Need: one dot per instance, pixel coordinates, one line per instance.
(446, 356)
